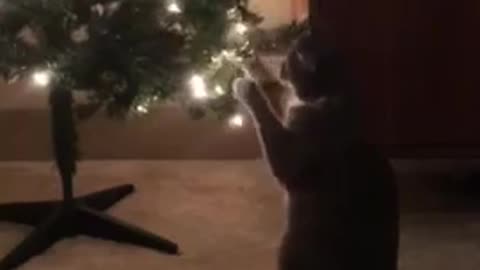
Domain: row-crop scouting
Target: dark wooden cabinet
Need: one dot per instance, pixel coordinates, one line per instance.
(417, 64)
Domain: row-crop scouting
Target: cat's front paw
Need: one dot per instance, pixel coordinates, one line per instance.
(256, 68)
(245, 90)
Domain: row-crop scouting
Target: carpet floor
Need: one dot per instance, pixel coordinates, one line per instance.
(229, 215)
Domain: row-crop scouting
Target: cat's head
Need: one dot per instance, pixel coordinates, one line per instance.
(313, 68)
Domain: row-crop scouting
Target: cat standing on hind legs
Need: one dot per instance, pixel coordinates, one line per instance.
(342, 199)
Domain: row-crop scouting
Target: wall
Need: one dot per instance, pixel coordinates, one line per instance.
(280, 12)
(275, 12)
(166, 133)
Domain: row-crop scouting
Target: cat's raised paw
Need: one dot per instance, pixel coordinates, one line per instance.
(244, 90)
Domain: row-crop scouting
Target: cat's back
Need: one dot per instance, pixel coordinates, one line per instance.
(323, 132)
(348, 215)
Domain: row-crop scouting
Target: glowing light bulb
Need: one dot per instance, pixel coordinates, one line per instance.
(174, 8)
(219, 90)
(228, 54)
(231, 13)
(231, 56)
(236, 121)
(141, 109)
(42, 78)
(216, 59)
(199, 87)
(241, 28)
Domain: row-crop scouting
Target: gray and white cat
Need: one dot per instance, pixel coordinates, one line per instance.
(342, 198)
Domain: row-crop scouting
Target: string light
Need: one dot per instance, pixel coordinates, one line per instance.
(228, 54)
(219, 90)
(199, 87)
(231, 56)
(241, 28)
(231, 13)
(197, 83)
(216, 59)
(173, 7)
(236, 121)
(42, 78)
(141, 109)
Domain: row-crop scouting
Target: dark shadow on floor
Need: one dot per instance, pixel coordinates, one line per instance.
(438, 187)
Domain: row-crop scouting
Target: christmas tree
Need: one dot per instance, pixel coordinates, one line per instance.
(120, 57)
(128, 55)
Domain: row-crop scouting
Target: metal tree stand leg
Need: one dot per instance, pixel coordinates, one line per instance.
(69, 217)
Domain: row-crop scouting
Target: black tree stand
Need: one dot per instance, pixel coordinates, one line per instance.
(69, 217)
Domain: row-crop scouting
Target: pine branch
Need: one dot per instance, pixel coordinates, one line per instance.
(123, 53)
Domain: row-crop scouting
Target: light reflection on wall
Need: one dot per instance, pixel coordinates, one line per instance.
(280, 12)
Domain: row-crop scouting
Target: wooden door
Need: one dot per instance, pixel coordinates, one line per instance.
(416, 65)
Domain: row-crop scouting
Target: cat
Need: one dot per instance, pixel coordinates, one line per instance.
(341, 195)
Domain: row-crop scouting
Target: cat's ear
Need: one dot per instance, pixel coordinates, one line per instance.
(305, 53)
(307, 61)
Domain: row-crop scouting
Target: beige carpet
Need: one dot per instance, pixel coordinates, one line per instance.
(224, 215)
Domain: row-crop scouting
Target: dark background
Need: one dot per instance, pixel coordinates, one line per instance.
(416, 62)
